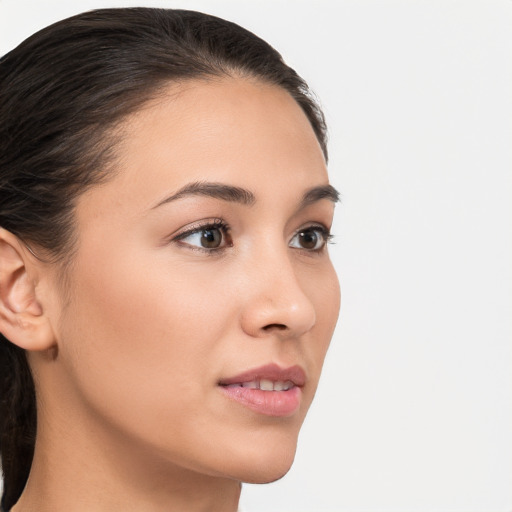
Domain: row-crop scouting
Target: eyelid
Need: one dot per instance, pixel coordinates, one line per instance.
(197, 227)
(316, 225)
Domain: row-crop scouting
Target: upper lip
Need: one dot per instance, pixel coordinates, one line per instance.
(271, 372)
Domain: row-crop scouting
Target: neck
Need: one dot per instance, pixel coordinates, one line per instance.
(84, 470)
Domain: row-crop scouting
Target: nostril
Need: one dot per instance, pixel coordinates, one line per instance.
(280, 327)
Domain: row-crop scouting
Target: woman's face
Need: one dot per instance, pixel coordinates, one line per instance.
(201, 282)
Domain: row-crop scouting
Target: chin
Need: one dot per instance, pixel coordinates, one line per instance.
(267, 464)
(267, 476)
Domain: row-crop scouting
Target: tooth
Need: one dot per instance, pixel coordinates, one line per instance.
(251, 385)
(279, 385)
(266, 385)
(288, 385)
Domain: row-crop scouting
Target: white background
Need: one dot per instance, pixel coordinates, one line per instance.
(414, 411)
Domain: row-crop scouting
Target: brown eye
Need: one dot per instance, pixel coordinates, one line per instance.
(310, 239)
(211, 238)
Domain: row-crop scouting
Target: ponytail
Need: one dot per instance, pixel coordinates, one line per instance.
(17, 421)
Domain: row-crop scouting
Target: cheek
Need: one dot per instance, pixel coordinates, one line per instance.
(323, 290)
(138, 338)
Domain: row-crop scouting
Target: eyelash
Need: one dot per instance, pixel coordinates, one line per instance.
(224, 228)
(215, 224)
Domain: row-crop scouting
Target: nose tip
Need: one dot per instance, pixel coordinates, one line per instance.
(279, 308)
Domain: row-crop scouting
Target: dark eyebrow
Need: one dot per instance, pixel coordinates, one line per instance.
(318, 193)
(241, 195)
(215, 190)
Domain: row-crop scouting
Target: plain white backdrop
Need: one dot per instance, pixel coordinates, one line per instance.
(414, 410)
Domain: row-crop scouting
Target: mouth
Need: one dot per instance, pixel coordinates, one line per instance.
(263, 385)
(269, 390)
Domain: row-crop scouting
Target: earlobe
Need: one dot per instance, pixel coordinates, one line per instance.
(22, 318)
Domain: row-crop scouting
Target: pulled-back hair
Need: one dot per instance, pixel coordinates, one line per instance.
(63, 93)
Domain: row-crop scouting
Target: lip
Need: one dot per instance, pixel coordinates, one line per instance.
(269, 403)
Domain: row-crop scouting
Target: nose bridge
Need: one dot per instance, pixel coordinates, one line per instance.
(276, 303)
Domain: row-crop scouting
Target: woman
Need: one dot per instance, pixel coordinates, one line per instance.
(166, 295)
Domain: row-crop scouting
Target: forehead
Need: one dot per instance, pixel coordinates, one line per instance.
(237, 131)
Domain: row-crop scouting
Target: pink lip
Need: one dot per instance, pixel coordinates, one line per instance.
(269, 403)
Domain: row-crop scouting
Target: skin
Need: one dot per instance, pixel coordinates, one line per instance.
(127, 361)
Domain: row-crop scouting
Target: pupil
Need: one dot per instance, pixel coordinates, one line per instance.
(211, 238)
(308, 239)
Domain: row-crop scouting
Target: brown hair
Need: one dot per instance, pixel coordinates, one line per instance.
(62, 93)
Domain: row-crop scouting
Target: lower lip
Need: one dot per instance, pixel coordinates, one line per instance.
(269, 403)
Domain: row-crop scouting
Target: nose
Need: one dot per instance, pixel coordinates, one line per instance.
(276, 304)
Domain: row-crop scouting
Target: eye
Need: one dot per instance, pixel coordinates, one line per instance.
(208, 237)
(312, 238)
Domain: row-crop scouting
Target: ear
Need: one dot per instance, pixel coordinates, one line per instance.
(22, 318)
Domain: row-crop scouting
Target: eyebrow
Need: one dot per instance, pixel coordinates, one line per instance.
(318, 193)
(216, 190)
(243, 196)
